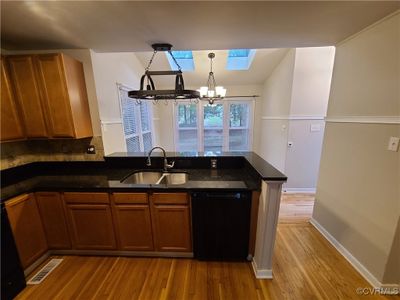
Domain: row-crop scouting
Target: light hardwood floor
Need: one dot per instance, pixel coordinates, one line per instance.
(305, 266)
(296, 208)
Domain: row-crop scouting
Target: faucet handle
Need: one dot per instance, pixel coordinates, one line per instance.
(171, 165)
(148, 162)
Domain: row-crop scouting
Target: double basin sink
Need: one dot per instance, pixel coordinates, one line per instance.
(156, 177)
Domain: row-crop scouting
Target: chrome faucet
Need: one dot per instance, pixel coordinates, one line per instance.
(166, 165)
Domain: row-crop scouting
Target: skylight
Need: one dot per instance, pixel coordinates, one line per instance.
(239, 53)
(184, 59)
(240, 59)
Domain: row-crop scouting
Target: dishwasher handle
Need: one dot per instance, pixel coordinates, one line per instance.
(227, 195)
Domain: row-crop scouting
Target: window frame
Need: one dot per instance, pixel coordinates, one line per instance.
(225, 128)
(124, 88)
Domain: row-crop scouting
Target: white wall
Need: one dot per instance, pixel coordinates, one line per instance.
(295, 97)
(358, 191)
(310, 92)
(312, 81)
(275, 108)
(303, 157)
(110, 69)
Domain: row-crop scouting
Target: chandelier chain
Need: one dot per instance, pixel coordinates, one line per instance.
(179, 67)
(151, 60)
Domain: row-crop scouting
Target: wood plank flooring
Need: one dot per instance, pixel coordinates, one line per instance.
(305, 266)
(296, 208)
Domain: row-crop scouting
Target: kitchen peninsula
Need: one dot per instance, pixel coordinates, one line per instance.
(86, 208)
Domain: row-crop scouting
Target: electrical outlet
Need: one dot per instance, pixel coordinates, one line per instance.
(393, 144)
(213, 163)
(91, 149)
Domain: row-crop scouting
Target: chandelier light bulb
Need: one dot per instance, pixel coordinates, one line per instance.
(211, 92)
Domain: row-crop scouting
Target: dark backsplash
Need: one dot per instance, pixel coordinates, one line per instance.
(24, 152)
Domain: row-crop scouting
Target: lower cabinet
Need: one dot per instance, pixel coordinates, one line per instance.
(171, 222)
(27, 228)
(52, 212)
(95, 221)
(90, 221)
(132, 220)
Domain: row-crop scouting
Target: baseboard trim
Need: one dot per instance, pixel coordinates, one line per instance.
(360, 268)
(298, 190)
(36, 264)
(122, 253)
(261, 274)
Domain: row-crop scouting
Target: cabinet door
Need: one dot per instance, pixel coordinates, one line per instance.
(51, 208)
(55, 94)
(171, 227)
(27, 228)
(11, 128)
(78, 97)
(91, 226)
(27, 94)
(133, 227)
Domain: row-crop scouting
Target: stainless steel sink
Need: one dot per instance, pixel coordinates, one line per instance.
(151, 177)
(174, 178)
(143, 178)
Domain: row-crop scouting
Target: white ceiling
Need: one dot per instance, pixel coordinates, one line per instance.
(114, 26)
(262, 66)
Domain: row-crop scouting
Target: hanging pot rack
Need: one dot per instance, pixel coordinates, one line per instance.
(148, 91)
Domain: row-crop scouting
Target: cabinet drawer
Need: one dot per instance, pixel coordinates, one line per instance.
(170, 198)
(86, 198)
(130, 198)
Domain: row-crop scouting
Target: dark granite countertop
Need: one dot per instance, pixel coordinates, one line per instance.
(235, 172)
(263, 168)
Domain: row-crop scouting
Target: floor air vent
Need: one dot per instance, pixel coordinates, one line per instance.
(46, 270)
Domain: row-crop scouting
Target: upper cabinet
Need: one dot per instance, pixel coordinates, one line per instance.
(11, 127)
(64, 93)
(50, 91)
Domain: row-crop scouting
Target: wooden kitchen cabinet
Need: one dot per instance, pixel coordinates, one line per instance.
(27, 95)
(90, 222)
(131, 213)
(63, 87)
(11, 126)
(51, 208)
(27, 228)
(171, 222)
(50, 91)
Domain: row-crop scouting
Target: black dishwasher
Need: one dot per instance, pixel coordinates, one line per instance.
(221, 222)
(12, 275)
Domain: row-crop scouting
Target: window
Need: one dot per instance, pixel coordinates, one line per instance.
(187, 127)
(136, 119)
(225, 126)
(240, 59)
(213, 116)
(184, 59)
(239, 127)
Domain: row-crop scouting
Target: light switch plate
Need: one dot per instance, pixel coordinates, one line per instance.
(393, 144)
(315, 127)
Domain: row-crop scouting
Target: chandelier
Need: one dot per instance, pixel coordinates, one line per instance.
(211, 92)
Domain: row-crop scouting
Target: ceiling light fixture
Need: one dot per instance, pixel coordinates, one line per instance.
(151, 93)
(211, 92)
